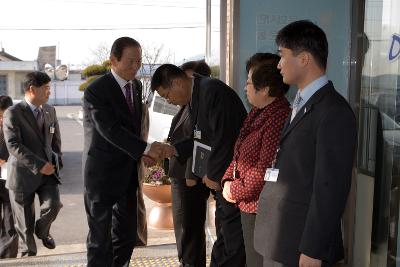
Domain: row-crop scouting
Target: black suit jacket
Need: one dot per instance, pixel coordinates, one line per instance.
(112, 143)
(219, 113)
(3, 149)
(301, 212)
(181, 128)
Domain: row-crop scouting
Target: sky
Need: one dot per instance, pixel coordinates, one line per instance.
(78, 27)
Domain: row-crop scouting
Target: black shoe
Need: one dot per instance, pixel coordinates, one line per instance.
(48, 242)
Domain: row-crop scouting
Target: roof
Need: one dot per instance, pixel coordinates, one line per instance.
(18, 65)
(8, 56)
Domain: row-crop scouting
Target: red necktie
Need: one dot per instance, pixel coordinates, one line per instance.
(128, 97)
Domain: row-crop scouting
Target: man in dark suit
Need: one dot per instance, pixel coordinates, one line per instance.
(299, 215)
(112, 149)
(189, 194)
(32, 137)
(216, 113)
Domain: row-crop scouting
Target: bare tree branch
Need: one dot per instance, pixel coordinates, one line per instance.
(152, 57)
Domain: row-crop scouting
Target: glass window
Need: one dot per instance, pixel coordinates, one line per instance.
(3, 84)
(379, 132)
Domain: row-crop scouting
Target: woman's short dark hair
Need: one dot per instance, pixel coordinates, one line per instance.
(35, 78)
(197, 66)
(261, 58)
(164, 75)
(303, 35)
(5, 102)
(120, 44)
(267, 75)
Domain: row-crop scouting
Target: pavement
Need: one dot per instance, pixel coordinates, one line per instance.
(70, 228)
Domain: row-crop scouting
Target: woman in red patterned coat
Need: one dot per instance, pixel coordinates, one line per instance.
(256, 145)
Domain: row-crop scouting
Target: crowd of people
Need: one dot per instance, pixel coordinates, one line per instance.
(280, 174)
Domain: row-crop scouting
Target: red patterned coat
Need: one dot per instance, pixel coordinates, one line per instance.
(254, 152)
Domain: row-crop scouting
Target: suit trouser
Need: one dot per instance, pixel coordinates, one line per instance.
(228, 249)
(141, 234)
(23, 206)
(253, 258)
(8, 234)
(189, 207)
(271, 263)
(112, 228)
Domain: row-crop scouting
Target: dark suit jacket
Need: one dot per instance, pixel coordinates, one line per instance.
(3, 149)
(29, 147)
(112, 143)
(301, 212)
(181, 128)
(219, 113)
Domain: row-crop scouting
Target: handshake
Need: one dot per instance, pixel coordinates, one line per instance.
(157, 152)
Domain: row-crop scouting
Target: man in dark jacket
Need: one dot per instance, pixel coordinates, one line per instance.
(217, 114)
(298, 221)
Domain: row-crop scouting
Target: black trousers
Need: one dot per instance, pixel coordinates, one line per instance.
(189, 207)
(112, 224)
(8, 234)
(253, 258)
(228, 249)
(23, 206)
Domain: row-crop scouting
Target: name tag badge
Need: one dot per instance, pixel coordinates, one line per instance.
(271, 175)
(197, 134)
(52, 129)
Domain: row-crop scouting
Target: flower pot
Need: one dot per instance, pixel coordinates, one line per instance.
(160, 216)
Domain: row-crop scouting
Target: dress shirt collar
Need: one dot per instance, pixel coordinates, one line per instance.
(122, 82)
(32, 106)
(311, 89)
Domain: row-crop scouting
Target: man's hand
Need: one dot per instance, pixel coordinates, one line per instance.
(306, 261)
(159, 151)
(2, 162)
(190, 182)
(148, 161)
(226, 192)
(211, 184)
(47, 169)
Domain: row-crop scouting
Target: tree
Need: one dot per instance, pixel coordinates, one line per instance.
(101, 53)
(152, 57)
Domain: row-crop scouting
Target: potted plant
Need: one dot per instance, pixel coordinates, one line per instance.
(157, 187)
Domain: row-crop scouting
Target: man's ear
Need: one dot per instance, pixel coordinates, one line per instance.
(305, 58)
(175, 82)
(113, 60)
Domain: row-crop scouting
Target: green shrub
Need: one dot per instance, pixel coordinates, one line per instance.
(215, 71)
(94, 70)
(84, 85)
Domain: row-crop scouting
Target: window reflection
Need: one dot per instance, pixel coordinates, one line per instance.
(379, 132)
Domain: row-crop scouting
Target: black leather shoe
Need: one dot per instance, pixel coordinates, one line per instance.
(48, 242)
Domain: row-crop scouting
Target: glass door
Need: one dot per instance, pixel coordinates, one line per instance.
(379, 131)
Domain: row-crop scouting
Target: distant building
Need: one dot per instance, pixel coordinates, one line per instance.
(12, 72)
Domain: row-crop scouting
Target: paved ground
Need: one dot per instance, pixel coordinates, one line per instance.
(70, 228)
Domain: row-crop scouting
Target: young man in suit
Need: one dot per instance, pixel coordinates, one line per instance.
(112, 149)
(216, 114)
(32, 136)
(300, 208)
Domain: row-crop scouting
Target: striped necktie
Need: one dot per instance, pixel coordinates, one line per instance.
(39, 118)
(296, 105)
